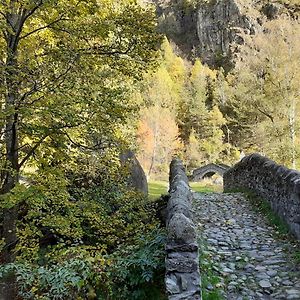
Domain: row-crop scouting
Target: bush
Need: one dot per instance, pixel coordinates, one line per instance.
(132, 272)
(86, 236)
(138, 271)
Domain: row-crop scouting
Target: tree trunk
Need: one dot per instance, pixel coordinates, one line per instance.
(10, 176)
(8, 285)
(293, 132)
(154, 151)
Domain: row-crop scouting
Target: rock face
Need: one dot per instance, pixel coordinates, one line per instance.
(137, 178)
(182, 260)
(220, 23)
(274, 183)
(206, 28)
(177, 20)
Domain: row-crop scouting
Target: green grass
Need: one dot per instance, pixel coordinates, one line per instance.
(209, 277)
(296, 256)
(204, 187)
(157, 188)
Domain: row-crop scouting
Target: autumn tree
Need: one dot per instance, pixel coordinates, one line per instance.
(161, 93)
(184, 94)
(158, 140)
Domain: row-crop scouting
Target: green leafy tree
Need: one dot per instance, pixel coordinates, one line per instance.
(192, 110)
(66, 68)
(200, 120)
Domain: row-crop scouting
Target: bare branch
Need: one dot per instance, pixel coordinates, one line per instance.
(102, 50)
(55, 129)
(27, 94)
(266, 114)
(50, 87)
(32, 11)
(6, 18)
(22, 17)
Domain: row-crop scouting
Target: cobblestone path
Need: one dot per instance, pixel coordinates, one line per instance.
(250, 261)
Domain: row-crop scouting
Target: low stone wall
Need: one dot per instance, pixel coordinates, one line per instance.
(182, 259)
(276, 184)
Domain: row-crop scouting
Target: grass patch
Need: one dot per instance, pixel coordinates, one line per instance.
(205, 187)
(296, 256)
(157, 188)
(211, 282)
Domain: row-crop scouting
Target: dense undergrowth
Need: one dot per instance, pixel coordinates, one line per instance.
(89, 237)
(133, 272)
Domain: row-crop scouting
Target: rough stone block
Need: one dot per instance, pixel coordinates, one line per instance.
(184, 195)
(182, 262)
(172, 285)
(181, 229)
(180, 208)
(174, 247)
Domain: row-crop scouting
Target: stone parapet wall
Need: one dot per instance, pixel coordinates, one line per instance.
(278, 185)
(182, 258)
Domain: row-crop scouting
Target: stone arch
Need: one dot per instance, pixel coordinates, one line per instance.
(209, 174)
(200, 173)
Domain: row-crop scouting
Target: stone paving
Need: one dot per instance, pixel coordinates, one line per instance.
(250, 261)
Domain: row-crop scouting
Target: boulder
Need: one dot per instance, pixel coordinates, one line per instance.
(137, 178)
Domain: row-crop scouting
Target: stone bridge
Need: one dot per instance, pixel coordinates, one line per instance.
(208, 170)
(241, 255)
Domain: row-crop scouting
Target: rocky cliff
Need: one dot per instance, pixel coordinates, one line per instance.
(221, 23)
(207, 28)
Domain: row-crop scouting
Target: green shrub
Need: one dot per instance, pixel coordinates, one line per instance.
(132, 272)
(138, 271)
(86, 235)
